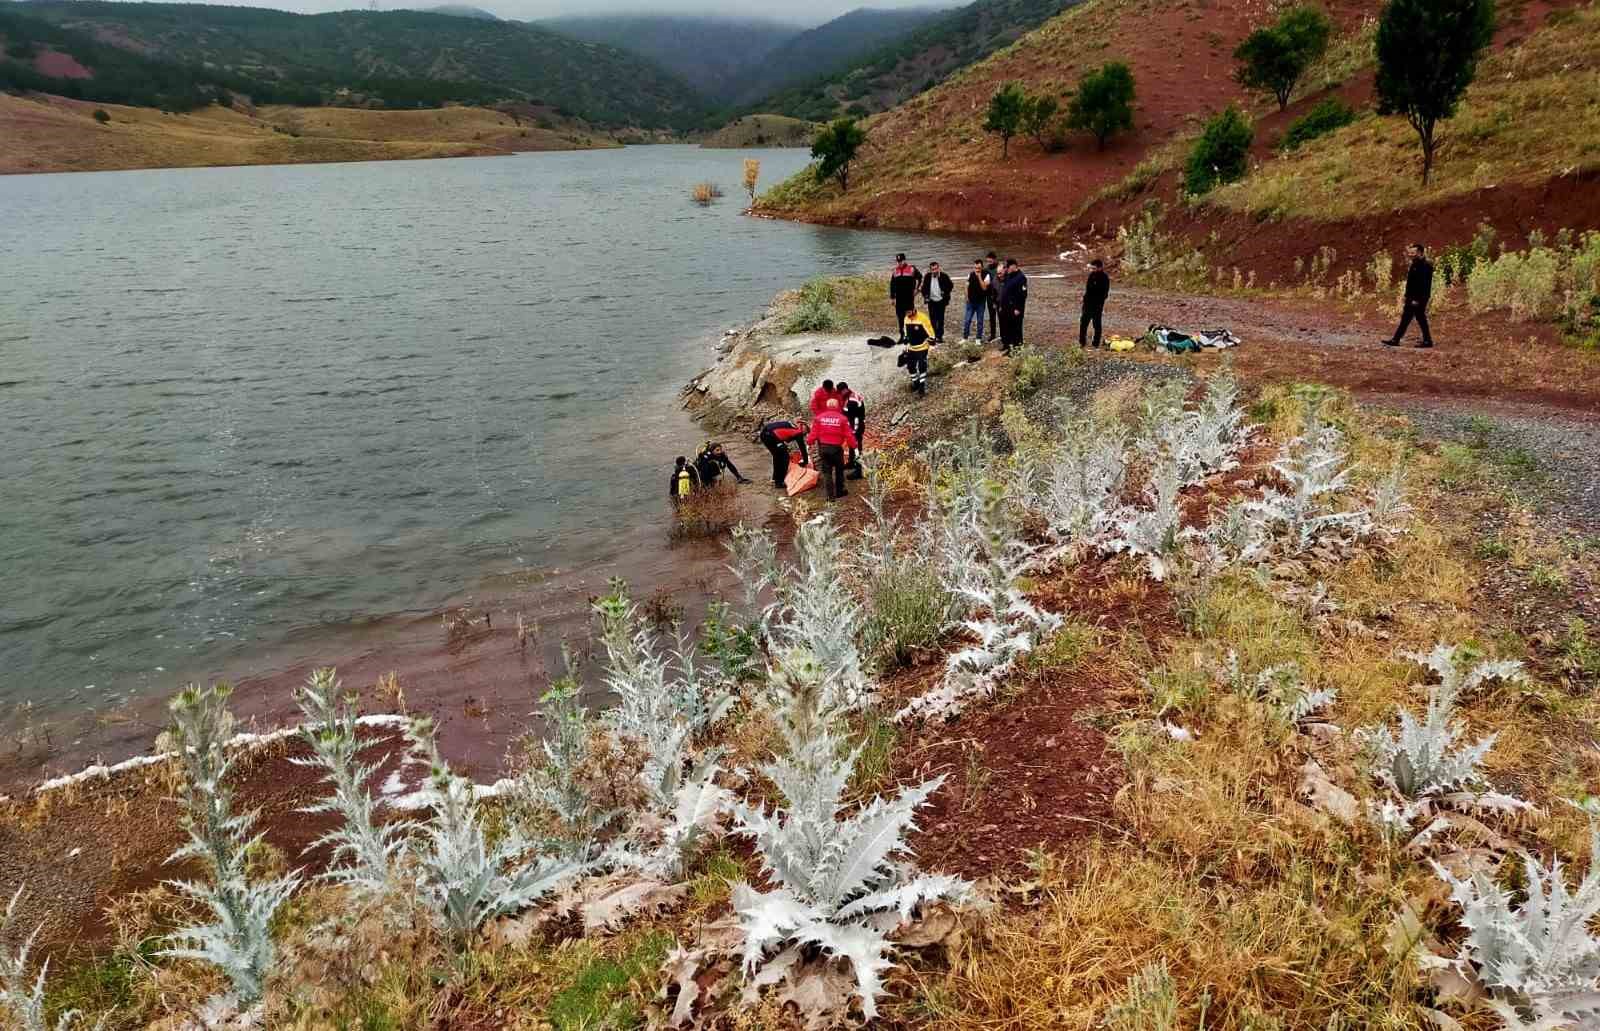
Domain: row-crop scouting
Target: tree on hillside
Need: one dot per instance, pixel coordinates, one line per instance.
(1038, 117)
(1428, 52)
(1007, 109)
(1221, 154)
(1274, 58)
(835, 147)
(1104, 102)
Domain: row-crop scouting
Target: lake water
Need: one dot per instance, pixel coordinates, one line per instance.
(244, 411)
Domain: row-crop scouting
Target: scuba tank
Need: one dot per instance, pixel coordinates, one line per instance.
(685, 483)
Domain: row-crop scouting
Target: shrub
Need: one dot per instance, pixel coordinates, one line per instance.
(908, 609)
(101, 116)
(1103, 103)
(835, 148)
(21, 996)
(837, 886)
(1221, 154)
(1028, 372)
(705, 193)
(1329, 114)
(1536, 956)
(816, 312)
(1273, 59)
(1038, 121)
(239, 943)
(1007, 109)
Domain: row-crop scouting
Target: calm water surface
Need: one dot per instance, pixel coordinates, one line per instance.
(243, 410)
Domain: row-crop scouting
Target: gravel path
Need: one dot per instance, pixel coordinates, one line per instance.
(1564, 449)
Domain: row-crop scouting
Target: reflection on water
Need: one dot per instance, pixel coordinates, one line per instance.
(244, 407)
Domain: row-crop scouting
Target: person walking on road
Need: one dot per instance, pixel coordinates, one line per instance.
(992, 269)
(832, 435)
(1013, 305)
(775, 437)
(904, 282)
(1419, 290)
(919, 338)
(1095, 292)
(977, 300)
(936, 288)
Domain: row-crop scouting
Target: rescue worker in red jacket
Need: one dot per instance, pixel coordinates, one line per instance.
(775, 437)
(832, 434)
(820, 396)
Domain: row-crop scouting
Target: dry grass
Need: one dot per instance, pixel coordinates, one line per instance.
(46, 134)
(704, 193)
(1531, 113)
(1269, 913)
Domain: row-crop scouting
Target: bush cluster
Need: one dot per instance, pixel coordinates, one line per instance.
(817, 311)
(1331, 113)
(1222, 153)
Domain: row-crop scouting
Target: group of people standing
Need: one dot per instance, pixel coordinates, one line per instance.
(994, 288)
(838, 427)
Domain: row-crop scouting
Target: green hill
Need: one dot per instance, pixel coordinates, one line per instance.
(915, 62)
(834, 46)
(389, 58)
(709, 53)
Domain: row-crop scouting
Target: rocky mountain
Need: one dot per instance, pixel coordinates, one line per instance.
(709, 53)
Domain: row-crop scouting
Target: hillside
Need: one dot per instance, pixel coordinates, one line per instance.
(708, 53)
(392, 58)
(763, 130)
(55, 134)
(833, 46)
(912, 63)
(1525, 121)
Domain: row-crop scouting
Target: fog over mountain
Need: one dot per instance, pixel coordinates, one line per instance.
(814, 13)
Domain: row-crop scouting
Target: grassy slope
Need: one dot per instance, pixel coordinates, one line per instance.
(1533, 112)
(927, 163)
(52, 134)
(763, 130)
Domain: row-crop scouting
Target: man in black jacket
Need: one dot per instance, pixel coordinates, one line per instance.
(1095, 292)
(776, 436)
(1013, 305)
(904, 281)
(710, 462)
(936, 287)
(992, 269)
(1419, 289)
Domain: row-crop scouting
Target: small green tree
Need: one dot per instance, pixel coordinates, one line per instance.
(1221, 154)
(1104, 102)
(1007, 110)
(835, 147)
(101, 116)
(1274, 58)
(1428, 52)
(1038, 117)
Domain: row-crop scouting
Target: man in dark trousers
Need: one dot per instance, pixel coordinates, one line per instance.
(1013, 305)
(936, 287)
(775, 437)
(977, 299)
(992, 269)
(1419, 289)
(904, 282)
(832, 435)
(855, 413)
(1095, 291)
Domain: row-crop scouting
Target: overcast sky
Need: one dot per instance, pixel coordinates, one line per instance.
(811, 12)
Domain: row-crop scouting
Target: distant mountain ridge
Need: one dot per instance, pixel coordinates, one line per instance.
(829, 47)
(709, 53)
(389, 58)
(913, 63)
